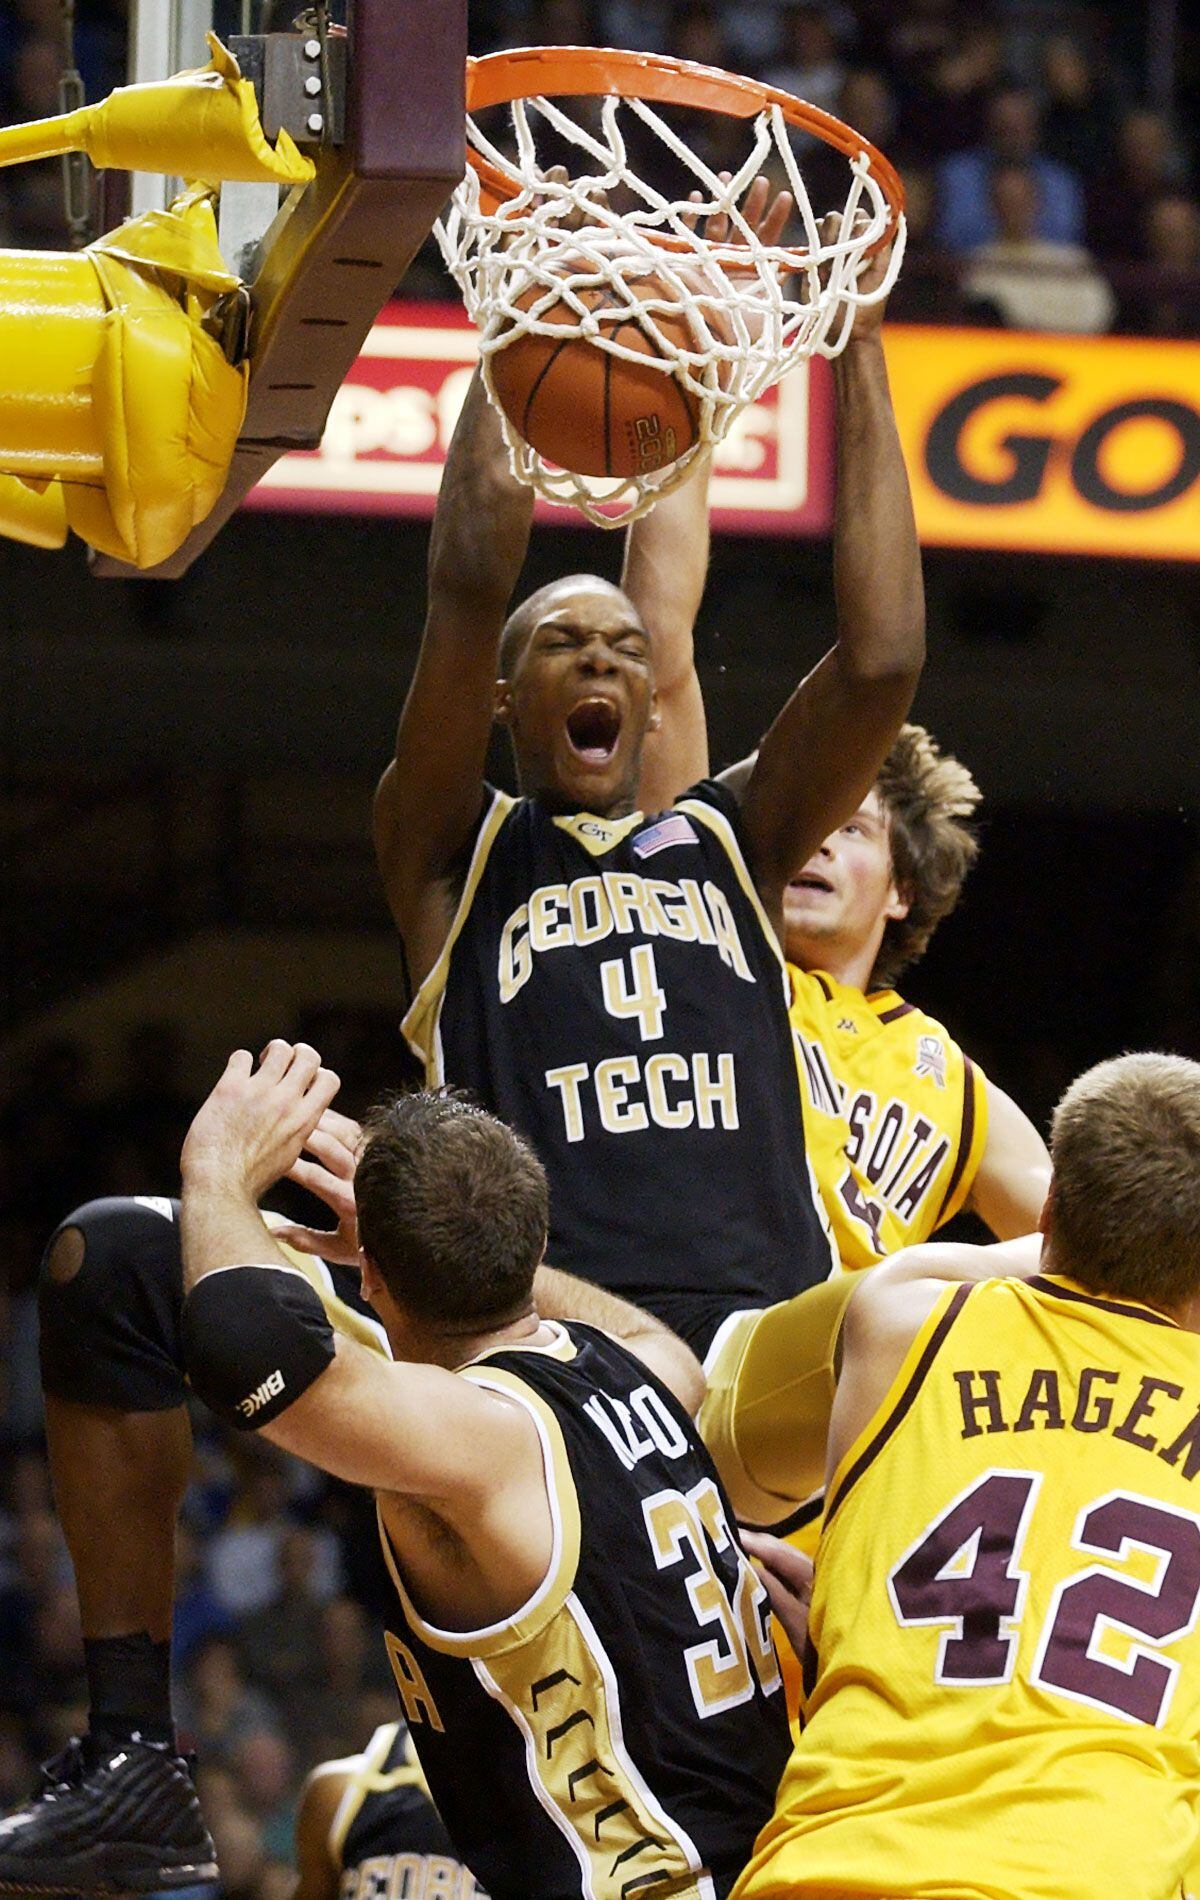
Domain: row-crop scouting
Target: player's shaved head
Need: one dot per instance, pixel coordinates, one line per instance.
(1124, 1211)
(523, 619)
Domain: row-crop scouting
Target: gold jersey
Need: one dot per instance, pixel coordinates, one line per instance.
(1003, 1678)
(895, 1115)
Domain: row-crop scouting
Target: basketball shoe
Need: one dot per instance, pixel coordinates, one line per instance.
(115, 1818)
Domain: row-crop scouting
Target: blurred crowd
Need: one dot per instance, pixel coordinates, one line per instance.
(278, 1663)
(1047, 188)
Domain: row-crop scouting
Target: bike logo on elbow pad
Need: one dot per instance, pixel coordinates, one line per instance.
(270, 1388)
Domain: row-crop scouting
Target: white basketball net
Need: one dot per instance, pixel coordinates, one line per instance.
(755, 309)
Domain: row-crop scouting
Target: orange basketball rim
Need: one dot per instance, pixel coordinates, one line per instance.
(599, 71)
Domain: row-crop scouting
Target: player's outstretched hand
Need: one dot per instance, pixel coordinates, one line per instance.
(766, 215)
(255, 1123)
(333, 1145)
(788, 1575)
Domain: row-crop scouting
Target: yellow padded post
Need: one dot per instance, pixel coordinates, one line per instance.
(111, 388)
(202, 124)
(35, 515)
(52, 315)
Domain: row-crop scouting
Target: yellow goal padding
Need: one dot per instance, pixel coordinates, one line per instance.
(202, 125)
(119, 413)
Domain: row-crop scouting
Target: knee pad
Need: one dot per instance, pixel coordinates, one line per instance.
(110, 1303)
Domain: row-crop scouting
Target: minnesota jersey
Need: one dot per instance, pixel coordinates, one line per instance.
(623, 1734)
(895, 1115)
(1004, 1667)
(387, 1836)
(615, 990)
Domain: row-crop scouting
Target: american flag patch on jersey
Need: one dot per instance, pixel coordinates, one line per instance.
(674, 829)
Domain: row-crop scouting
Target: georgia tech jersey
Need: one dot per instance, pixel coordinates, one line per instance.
(615, 991)
(1003, 1679)
(387, 1837)
(623, 1734)
(895, 1115)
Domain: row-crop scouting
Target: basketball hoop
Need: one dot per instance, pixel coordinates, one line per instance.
(530, 246)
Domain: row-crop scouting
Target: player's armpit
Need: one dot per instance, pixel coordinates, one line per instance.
(417, 1430)
(1013, 1177)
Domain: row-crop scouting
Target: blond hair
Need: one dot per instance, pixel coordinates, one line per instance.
(927, 796)
(1125, 1196)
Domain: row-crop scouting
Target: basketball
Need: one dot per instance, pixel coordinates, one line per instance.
(588, 410)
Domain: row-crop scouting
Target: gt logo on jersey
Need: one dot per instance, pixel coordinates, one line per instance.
(419, 1705)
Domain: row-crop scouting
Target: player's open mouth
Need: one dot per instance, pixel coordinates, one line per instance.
(593, 728)
(809, 881)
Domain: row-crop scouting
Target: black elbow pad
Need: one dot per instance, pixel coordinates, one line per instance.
(254, 1339)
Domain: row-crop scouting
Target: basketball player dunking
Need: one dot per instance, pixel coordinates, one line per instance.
(1002, 1650)
(611, 982)
(612, 985)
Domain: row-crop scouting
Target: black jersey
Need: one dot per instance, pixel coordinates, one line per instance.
(625, 1732)
(615, 990)
(387, 1837)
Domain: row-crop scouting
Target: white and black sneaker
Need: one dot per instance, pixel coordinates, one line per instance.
(119, 1819)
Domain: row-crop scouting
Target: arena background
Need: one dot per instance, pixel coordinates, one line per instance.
(187, 767)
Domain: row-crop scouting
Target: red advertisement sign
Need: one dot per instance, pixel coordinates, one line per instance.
(391, 423)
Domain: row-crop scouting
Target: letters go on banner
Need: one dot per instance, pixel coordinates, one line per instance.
(391, 422)
(1073, 445)
(1050, 444)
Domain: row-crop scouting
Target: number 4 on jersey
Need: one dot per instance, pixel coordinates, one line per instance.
(963, 1571)
(642, 996)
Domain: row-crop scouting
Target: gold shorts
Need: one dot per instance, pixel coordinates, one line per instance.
(765, 1416)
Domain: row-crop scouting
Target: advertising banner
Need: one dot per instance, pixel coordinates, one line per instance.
(1071, 445)
(391, 422)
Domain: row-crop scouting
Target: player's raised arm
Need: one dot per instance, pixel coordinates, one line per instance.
(259, 1347)
(666, 565)
(429, 797)
(1013, 1177)
(823, 752)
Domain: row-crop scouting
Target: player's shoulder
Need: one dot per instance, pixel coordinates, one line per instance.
(711, 798)
(892, 1302)
(935, 1048)
(905, 1017)
(902, 1292)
